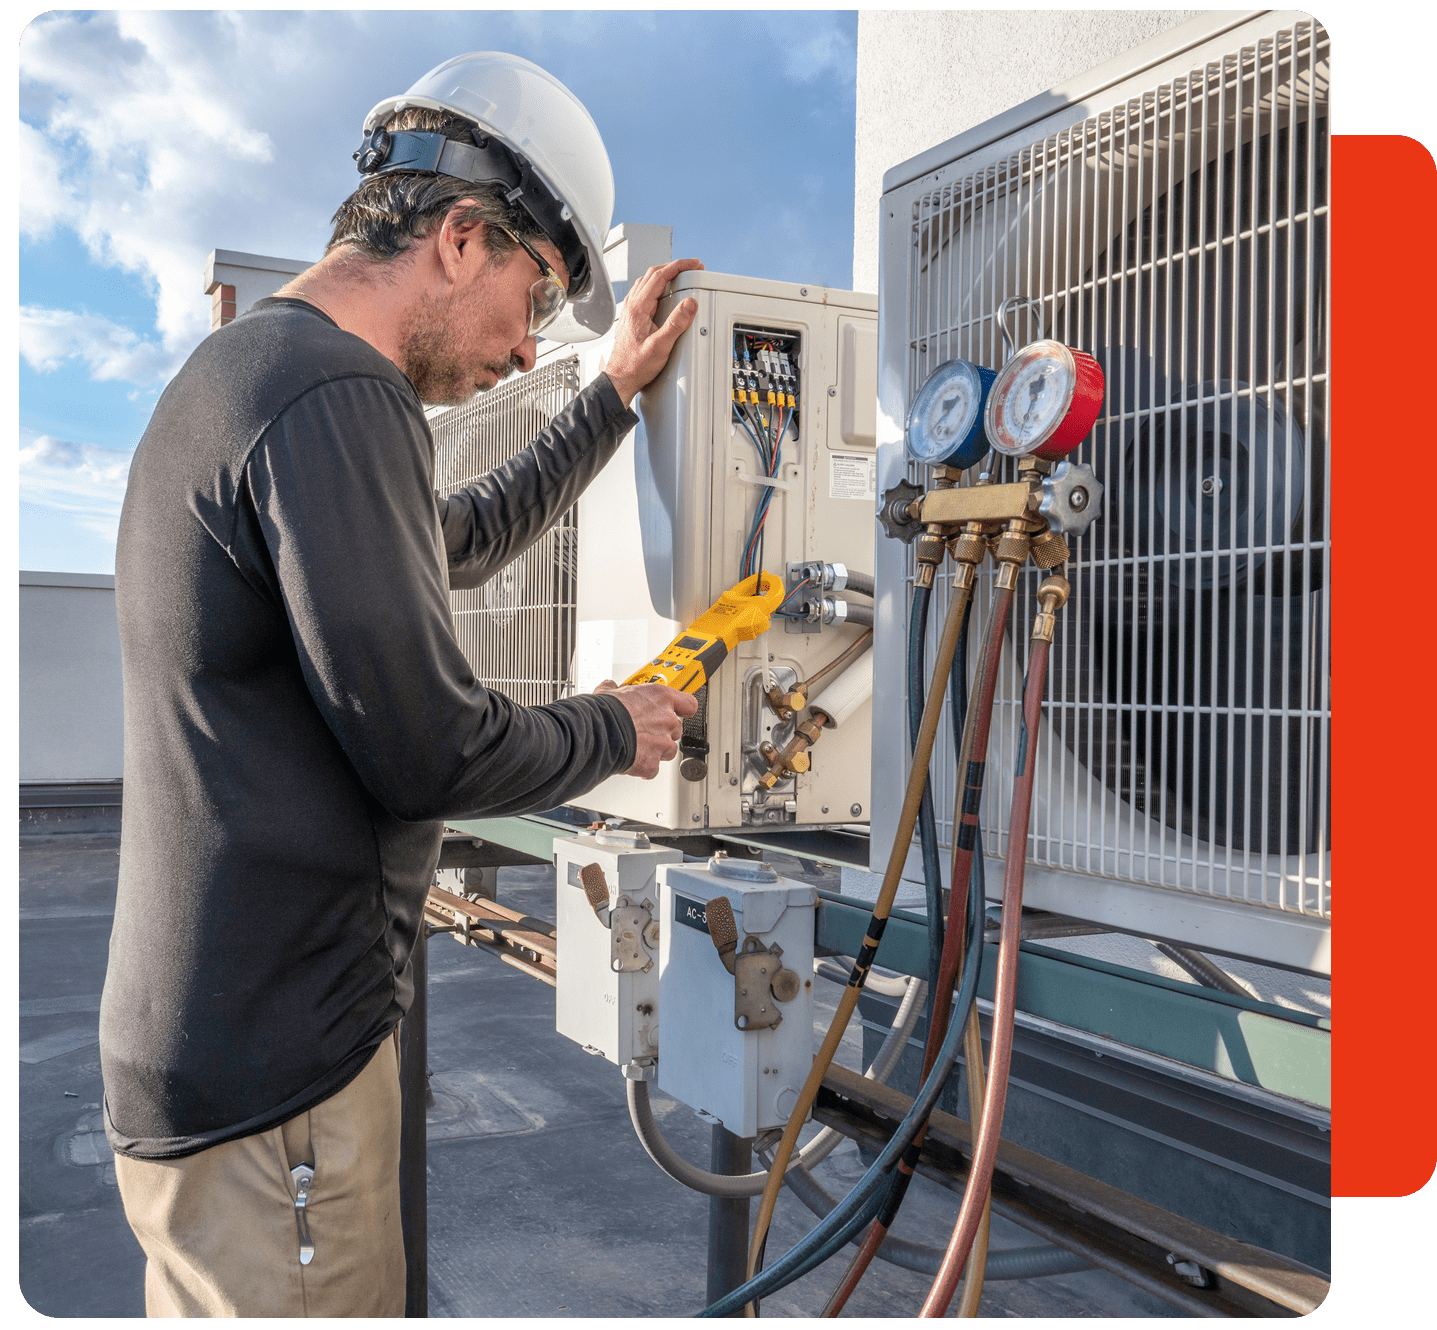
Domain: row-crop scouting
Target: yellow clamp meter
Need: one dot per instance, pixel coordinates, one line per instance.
(739, 615)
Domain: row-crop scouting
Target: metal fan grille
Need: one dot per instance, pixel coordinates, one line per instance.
(1180, 237)
(517, 630)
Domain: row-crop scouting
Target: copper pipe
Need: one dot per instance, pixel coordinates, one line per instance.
(985, 1150)
(856, 649)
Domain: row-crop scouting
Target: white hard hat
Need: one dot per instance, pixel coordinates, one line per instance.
(552, 158)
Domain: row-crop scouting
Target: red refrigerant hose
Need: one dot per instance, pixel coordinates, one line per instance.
(985, 1151)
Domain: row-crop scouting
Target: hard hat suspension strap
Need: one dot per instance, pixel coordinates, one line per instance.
(384, 151)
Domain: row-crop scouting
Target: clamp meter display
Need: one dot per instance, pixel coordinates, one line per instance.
(741, 614)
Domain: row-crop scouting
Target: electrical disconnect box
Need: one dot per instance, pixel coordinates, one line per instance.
(736, 985)
(607, 996)
(755, 450)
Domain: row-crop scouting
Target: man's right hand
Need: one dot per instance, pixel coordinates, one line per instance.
(658, 713)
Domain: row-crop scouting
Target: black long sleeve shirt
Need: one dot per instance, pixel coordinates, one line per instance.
(299, 719)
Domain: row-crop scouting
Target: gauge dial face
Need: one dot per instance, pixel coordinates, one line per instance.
(944, 411)
(1031, 397)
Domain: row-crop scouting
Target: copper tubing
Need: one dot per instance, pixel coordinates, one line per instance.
(978, 1258)
(858, 647)
(985, 1150)
(903, 835)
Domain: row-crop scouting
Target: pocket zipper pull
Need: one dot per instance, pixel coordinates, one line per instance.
(303, 1175)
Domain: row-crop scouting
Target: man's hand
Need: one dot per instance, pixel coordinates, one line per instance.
(657, 711)
(641, 347)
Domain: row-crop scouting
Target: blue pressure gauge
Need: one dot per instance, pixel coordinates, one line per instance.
(945, 422)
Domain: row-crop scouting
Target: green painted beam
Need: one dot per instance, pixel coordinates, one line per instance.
(529, 835)
(1239, 1038)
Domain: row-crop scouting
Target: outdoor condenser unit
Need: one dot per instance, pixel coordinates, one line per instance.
(1169, 214)
(517, 630)
(664, 530)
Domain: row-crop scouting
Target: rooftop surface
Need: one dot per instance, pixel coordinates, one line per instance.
(541, 1200)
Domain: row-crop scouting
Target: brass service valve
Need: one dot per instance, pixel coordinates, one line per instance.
(792, 758)
(1052, 596)
(786, 705)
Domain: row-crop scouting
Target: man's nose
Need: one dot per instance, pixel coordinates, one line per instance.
(525, 354)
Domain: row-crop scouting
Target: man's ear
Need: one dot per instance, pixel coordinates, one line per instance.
(460, 241)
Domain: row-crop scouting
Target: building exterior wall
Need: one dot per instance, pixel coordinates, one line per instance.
(71, 701)
(925, 76)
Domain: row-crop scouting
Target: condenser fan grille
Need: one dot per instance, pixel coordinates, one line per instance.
(1181, 238)
(517, 630)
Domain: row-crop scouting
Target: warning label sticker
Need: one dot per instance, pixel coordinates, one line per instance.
(852, 476)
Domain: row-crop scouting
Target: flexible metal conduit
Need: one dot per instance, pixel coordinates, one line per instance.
(738, 1186)
(862, 583)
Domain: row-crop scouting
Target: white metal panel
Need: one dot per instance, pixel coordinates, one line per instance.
(615, 1015)
(1180, 235)
(748, 1079)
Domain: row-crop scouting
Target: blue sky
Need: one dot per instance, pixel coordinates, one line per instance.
(148, 139)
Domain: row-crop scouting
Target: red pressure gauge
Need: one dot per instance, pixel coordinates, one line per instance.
(1045, 398)
(1044, 401)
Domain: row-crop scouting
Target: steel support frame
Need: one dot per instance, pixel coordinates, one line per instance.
(1111, 1229)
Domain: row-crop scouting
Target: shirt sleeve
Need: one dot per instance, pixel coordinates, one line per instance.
(341, 486)
(493, 521)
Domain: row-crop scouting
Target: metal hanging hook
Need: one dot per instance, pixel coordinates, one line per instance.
(1017, 302)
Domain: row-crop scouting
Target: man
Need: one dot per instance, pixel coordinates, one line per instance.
(298, 717)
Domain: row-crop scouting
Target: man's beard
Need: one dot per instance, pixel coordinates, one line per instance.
(431, 356)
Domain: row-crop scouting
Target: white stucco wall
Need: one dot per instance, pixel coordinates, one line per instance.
(924, 76)
(71, 704)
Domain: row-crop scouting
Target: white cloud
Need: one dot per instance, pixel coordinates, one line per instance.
(159, 136)
(80, 480)
(50, 337)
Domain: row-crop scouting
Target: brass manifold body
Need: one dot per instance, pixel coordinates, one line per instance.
(1013, 522)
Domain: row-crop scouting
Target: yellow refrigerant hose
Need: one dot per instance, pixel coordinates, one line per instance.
(907, 818)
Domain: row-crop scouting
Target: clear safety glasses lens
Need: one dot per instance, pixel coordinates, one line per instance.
(547, 295)
(546, 300)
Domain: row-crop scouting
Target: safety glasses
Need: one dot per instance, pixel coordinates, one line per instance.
(547, 295)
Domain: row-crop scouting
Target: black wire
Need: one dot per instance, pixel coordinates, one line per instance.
(927, 823)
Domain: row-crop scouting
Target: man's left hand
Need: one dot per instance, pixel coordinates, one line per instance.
(641, 347)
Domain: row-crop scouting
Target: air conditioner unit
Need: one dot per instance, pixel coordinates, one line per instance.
(517, 630)
(1174, 223)
(664, 530)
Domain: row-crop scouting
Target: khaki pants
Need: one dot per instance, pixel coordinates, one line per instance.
(219, 1227)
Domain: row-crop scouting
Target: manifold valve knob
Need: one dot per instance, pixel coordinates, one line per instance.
(894, 512)
(1072, 498)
